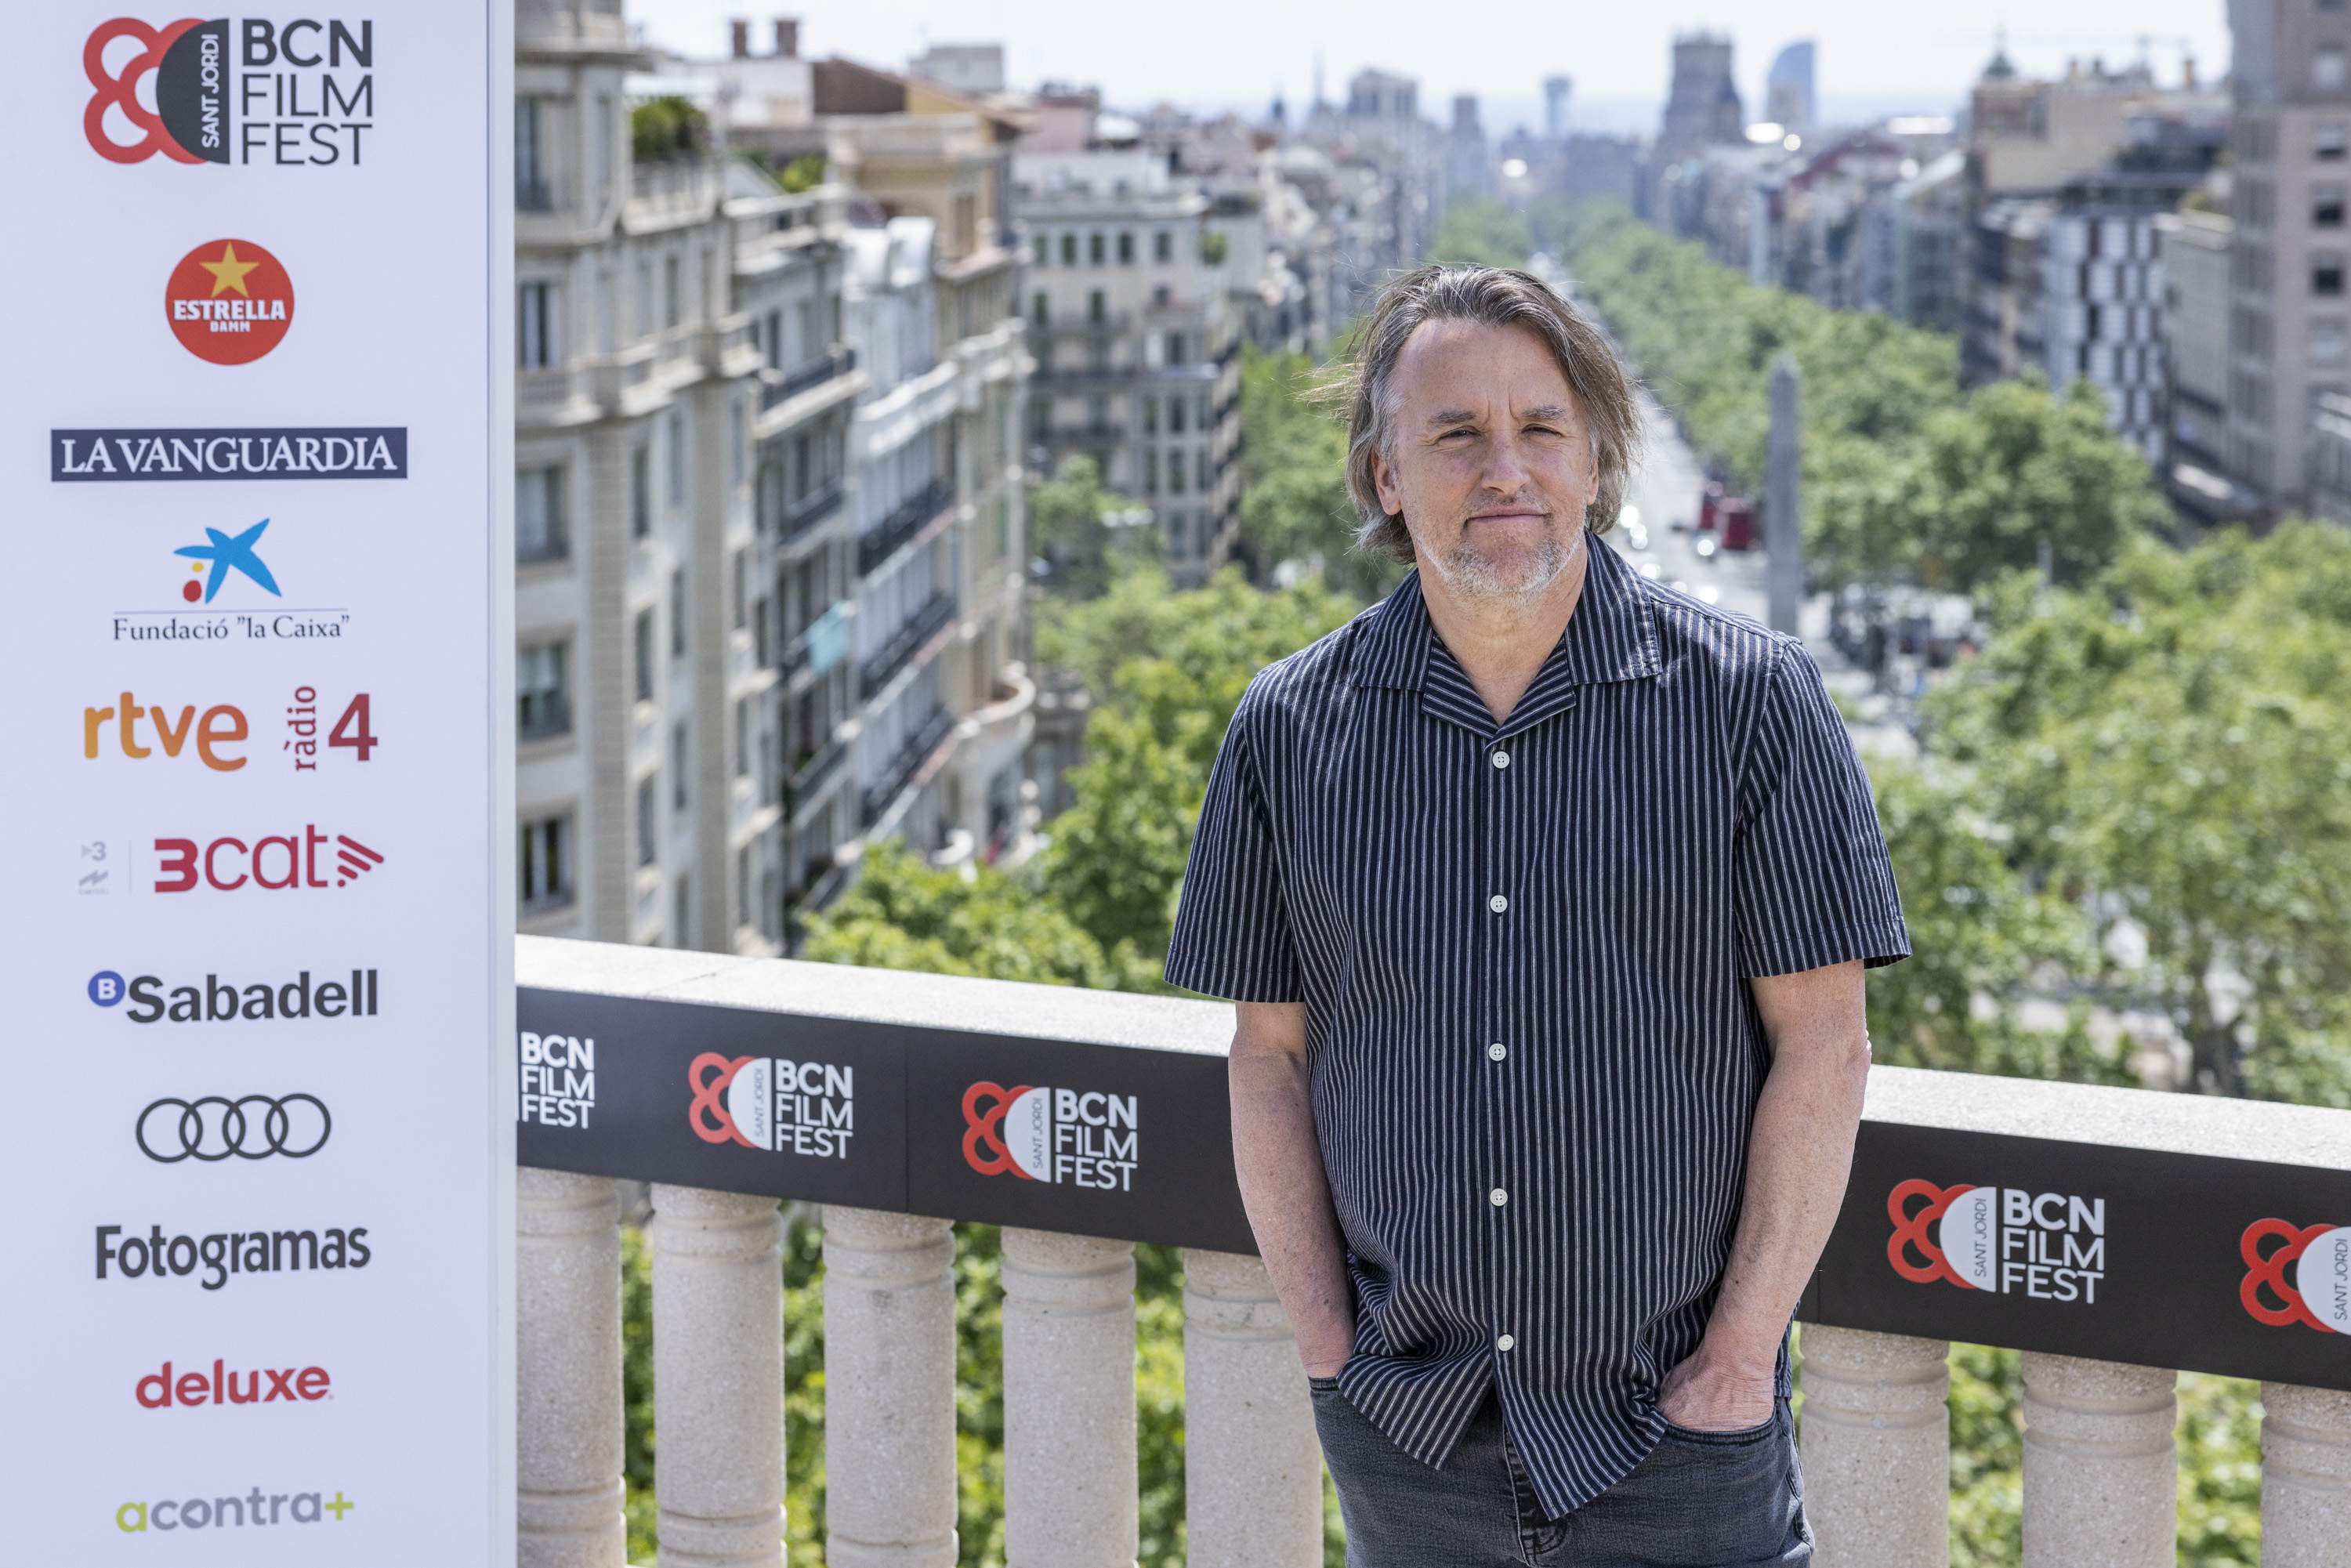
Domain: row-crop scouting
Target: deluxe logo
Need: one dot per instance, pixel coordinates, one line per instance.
(229, 302)
(247, 91)
(231, 561)
(276, 863)
(2317, 1256)
(138, 731)
(1083, 1137)
(227, 1252)
(2046, 1245)
(86, 456)
(194, 1390)
(217, 1000)
(256, 1506)
(557, 1087)
(769, 1103)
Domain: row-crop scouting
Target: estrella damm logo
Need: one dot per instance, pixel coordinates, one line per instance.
(2046, 1245)
(1085, 1138)
(2317, 1256)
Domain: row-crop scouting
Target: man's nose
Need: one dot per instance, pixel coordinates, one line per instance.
(1507, 470)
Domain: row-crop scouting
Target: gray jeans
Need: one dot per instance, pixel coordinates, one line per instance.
(1700, 1499)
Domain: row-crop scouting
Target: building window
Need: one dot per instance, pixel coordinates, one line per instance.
(677, 442)
(1178, 411)
(1126, 247)
(1176, 473)
(2327, 277)
(545, 863)
(1150, 469)
(738, 445)
(1043, 251)
(678, 612)
(742, 736)
(743, 887)
(640, 490)
(1150, 416)
(647, 845)
(1097, 305)
(539, 531)
(1041, 310)
(1176, 346)
(684, 910)
(1200, 470)
(741, 594)
(530, 155)
(542, 702)
(535, 325)
(672, 305)
(1095, 249)
(643, 646)
(1163, 246)
(2326, 206)
(2327, 138)
(2326, 342)
(677, 767)
(2326, 69)
(1068, 250)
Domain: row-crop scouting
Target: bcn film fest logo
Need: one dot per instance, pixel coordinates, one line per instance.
(1085, 1138)
(2047, 1246)
(2318, 1296)
(771, 1102)
(293, 94)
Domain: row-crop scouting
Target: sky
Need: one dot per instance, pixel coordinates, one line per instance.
(1872, 58)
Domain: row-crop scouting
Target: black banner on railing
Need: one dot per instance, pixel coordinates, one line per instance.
(2181, 1260)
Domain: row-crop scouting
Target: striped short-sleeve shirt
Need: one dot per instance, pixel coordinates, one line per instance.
(1523, 952)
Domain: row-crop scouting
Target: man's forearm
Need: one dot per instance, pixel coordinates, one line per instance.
(1279, 1163)
(1799, 1157)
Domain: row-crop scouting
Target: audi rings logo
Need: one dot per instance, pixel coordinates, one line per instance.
(253, 1127)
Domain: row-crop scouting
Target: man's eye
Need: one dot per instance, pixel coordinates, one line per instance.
(1451, 433)
(1542, 430)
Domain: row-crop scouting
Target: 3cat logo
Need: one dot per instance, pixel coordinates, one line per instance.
(1085, 1138)
(229, 302)
(2047, 1246)
(771, 1102)
(2318, 1295)
(292, 94)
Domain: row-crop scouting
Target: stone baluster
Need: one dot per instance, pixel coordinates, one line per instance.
(567, 1509)
(719, 1378)
(2101, 1481)
(888, 1390)
(1876, 1447)
(1252, 1466)
(1069, 1401)
(2306, 1477)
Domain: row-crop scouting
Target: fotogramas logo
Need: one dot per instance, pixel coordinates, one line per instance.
(2297, 1274)
(1083, 1137)
(771, 1102)
(246, 90)
(229, 302)
(251, 1127)
(2044, 1246)
(212, 1260)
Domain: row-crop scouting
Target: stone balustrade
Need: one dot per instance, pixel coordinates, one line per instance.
(2100, 1470)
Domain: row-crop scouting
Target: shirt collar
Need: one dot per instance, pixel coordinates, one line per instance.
(1611, 637)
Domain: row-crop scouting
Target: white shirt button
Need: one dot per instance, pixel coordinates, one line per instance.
(1504, 1343)
(1497, 1197)
(1497, 903)
(1502, 759)
(1496, 1050)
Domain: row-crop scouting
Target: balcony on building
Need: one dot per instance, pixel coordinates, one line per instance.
(2100, 1484)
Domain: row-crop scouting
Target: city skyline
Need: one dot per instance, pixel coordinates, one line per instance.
(1872, 62)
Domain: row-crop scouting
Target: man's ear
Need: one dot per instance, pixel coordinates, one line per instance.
(1384, 480)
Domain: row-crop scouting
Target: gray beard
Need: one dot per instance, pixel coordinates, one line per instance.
(1472, 574)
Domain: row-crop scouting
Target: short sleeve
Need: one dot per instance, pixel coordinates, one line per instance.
(1811, 876)
(1232, 933)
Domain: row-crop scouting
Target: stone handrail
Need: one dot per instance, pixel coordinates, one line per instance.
(2100, 1481)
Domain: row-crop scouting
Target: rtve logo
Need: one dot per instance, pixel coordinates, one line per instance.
(256, 1507)
(137, 731)
(2047, 1246)
(2318, 1257)
(277, 862)
(291, 93)
(769, 1103)
(1084, 1137)
(191, 1390)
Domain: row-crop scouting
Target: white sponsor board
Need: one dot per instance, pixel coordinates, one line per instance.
(255, 471)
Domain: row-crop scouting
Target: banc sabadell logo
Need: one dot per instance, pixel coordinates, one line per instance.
(2044, 1246)
(232, 90)
(1083, 1137)
(2297, 1274)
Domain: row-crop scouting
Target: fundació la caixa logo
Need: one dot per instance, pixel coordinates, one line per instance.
(2047, 1246)
(774, 1103)
(239, 92)
(2318, 1296)
(1084, 1137)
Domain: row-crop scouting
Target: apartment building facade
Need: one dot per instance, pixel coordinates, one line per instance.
(2290, 304)
(1138, 339)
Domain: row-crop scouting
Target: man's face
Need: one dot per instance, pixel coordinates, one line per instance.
(1488, 460)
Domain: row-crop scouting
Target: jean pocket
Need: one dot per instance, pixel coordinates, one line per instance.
(1323, 1386)
(1737, 1437)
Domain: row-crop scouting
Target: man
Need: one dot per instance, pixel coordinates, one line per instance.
(1545, 893)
